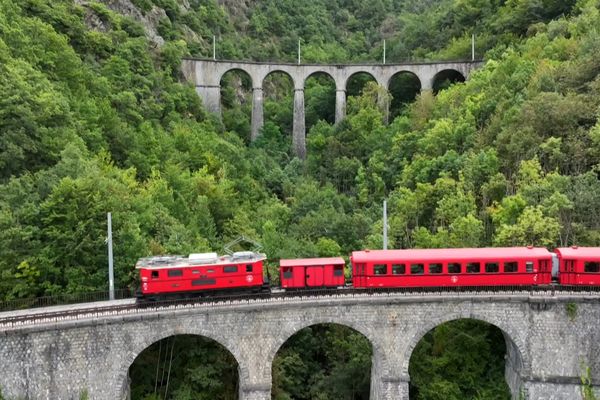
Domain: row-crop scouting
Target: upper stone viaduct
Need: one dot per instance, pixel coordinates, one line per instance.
(207, 75)
(548, 339)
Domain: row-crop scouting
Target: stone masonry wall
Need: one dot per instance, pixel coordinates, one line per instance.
(545, 346)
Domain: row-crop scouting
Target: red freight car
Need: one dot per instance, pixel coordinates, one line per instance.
(200, 272)
(451, 267)
(579, 265)
(312, 272)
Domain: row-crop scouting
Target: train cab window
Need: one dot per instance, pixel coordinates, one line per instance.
(592, 266)
(380, 269)
(529, 266)
(435, 268)
(287, 273)
(454, 268)
(511, 266)
(174, 272)
(338, 270)
(398, 269)
(230, 268)
(417, 269)
(154, 274)
(248, 267)
(473, 268)
(492, 267)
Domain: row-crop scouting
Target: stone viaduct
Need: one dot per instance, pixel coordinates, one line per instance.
(546, 344)
(207, 74)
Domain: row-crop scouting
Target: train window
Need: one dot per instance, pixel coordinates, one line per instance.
(338, 270)
(592, 266)
(230, 268)
(195, 272)
(174, 272)
(209, 271)
(435, 268)
(287, 273)
(398, 269)
(417, 269)
(454, 268)
(154, 274)
(380, 269)
(492, 267)
(529, 266)
(473, 268)
(511, 266)
(248, 267)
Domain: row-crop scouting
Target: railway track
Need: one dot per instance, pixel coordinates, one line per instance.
(73, 312)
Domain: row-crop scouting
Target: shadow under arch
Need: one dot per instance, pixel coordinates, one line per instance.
(356, 82)
(446, 78)
(517, 362)
(404, 86)
(168, 340)
(236, 101)
(278, 91)
(310, 340)
(319, 98)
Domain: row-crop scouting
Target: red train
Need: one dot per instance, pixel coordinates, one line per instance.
(208, 273)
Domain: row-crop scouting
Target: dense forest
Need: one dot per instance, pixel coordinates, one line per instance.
(95, 117)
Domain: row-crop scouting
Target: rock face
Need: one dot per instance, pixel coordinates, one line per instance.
(149, 20)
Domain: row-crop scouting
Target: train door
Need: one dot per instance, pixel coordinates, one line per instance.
(314, 276)
(359, 278)
(568, 276)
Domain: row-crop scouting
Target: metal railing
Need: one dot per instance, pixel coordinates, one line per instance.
(62, 299)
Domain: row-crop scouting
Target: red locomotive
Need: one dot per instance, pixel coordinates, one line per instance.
(202, 274)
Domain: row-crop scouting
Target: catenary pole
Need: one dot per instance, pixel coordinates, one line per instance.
(384, 51)
(298, 51)
(214, 47)
(385, 238)
(473, 47)
(111, 274)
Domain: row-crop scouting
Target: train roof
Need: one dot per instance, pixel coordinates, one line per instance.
(198, 260)
(489, 253)
(579, 252)
(311, 261)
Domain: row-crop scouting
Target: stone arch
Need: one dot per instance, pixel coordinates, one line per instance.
(237, 68)
(379, 361)
(153, 336)
(325, 107)
(353, 74)
(292, 329)
(509, 334)
(316, 72)
(404, 86)
(402, 71)
(282, 71)
(451, 74)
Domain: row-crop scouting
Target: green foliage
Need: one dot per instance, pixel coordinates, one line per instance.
(196, 367)
(462, 359)
(571, 309)
(95, 119)
(323, 362)
(587, 389)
